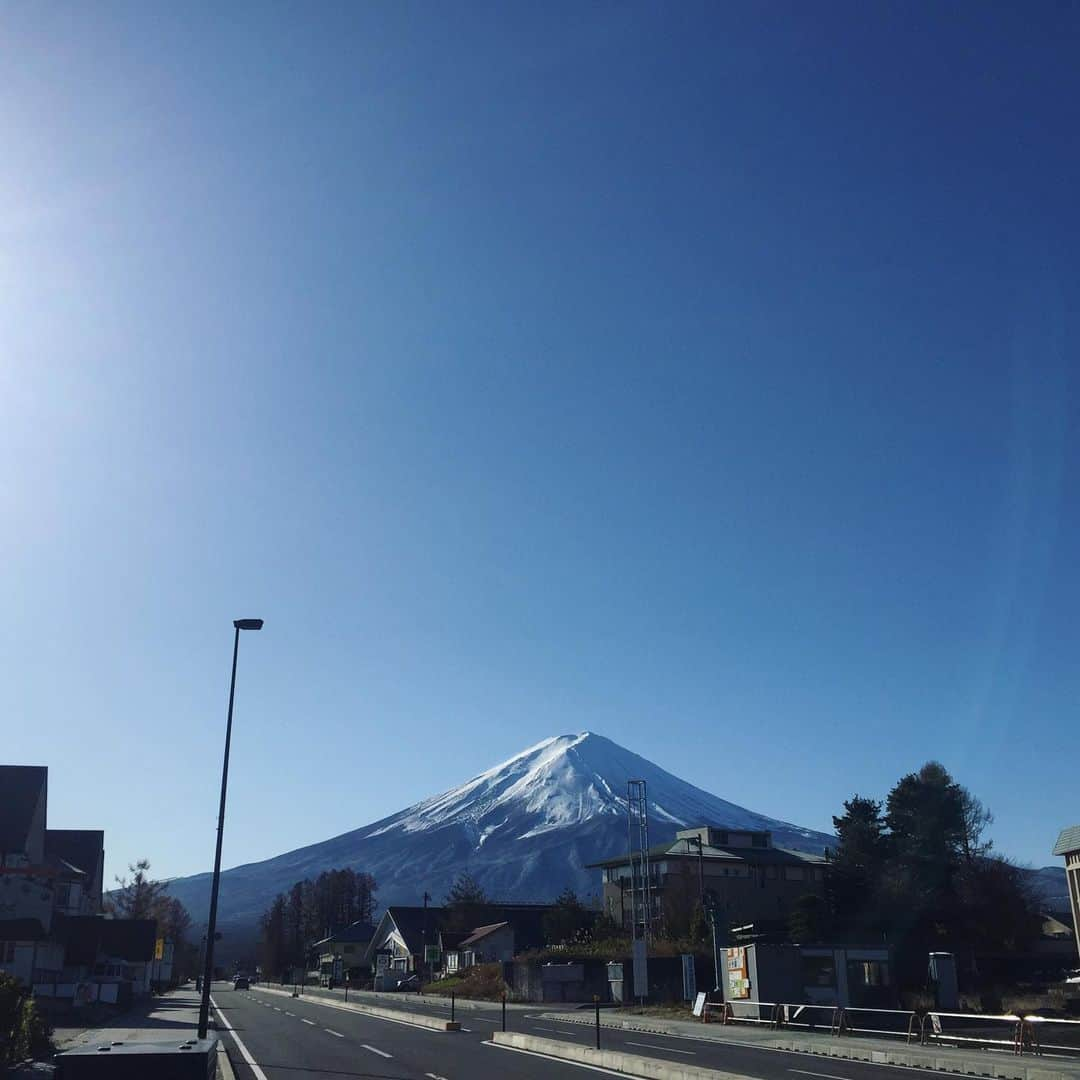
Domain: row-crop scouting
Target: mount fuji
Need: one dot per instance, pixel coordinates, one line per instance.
(524, 830)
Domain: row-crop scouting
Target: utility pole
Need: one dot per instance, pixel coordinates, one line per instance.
(424, 960)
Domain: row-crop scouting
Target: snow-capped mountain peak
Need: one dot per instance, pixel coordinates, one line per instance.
(564, 781)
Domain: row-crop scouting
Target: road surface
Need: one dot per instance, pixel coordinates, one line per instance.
(285, 1038)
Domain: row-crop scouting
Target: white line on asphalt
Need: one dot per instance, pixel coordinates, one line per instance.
(330, 1031)
(376, 1050)
(559, 1060)
(435, 1076)
(303, 1021)
(828, 1076)
(469, 1030)
(287, 1013)
(537, 1027)
(245, 1053)
(276, 1009)
(669, 1049)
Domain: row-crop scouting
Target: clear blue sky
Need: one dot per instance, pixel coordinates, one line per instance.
(700, 375)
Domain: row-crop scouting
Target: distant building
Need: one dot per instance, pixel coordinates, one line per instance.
(344, 952)
(1068, 845)
(752, 879)
(53, 935)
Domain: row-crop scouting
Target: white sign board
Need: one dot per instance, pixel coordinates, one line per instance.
(641, 969)
(699, 1004)
(689, 978)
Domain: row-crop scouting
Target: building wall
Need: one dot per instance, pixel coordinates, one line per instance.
(496, 946)
(749, 892)
(1072, 875)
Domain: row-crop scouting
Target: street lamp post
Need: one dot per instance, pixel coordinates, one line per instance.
(211, 926)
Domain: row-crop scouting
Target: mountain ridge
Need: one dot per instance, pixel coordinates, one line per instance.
(524, 828)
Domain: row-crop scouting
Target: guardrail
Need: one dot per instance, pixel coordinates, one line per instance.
(1035, 1025)
(1027, 1034)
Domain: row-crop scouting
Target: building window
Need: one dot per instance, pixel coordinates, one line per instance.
(794, 873)
(7, 952)
(771, 872)
(759, 839)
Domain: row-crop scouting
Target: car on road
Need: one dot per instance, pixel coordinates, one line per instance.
(241, 982)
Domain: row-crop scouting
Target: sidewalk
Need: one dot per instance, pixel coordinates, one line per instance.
(172, 1017)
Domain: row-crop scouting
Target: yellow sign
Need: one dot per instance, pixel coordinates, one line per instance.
(159, 949)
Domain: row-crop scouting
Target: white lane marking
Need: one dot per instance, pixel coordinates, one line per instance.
(828, 1076)
(245, 1053)
(376, 1050)
(469, 1030)
(435, 1076)
(276, 1009)
(560, 1060)
(537, 1027)
(331, 1031)
(672, 1050)
(287, 1013)
(303, 1021)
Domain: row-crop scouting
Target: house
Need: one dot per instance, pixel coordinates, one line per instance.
(53, 935)
(344, 952)
(399, 941)
(484, 945)
(1068, 846)
(750, 877)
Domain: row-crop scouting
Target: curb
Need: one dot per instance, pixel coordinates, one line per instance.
(402, 1016)
(225, 1070)
(613, 1060)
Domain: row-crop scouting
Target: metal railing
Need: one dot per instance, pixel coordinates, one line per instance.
(1020, 1034)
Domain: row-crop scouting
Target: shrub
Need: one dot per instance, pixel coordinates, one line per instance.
(23, 1030)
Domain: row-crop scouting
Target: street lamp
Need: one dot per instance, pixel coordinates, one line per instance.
(211, 926)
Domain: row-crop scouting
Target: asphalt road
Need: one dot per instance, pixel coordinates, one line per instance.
(294, 1038)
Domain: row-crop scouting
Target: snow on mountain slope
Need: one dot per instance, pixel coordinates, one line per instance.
(567, 780)
(524, 829)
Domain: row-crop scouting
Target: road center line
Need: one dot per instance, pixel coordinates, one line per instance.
(330, 1031)
(672, 1050)
(827, 1076)
(303, 1021)
(376, 1050)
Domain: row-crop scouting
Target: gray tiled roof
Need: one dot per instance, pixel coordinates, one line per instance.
(1069, 840)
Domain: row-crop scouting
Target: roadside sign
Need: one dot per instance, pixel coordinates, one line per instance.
(699, 1003)
(689, 978)
(641, 969)
(159, 949)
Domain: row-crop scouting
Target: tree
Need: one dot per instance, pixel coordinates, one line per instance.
(857, 864)
(139, 897)
(465, 903)
(566, 920)
(809, 920)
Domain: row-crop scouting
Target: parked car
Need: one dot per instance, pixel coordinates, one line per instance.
(241, 982)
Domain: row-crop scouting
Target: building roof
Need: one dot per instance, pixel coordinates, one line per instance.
(23, 786)
(411, 921)
(677, 849)
(1068, 841)
(482, 932)
(357, 931)
(82, 848)
(21, 930)
(452, 939)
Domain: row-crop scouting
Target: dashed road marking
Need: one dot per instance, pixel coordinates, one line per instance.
(330, 1031)
(669, 1049)
(376, 1050)
(311, 1022)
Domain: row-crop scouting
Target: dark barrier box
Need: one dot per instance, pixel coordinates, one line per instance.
(195, 1059)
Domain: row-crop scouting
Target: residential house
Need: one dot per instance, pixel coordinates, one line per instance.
(52, 931)
(750, 877)
(1068, 846)
(344, 953)
(484, 945)
(401, 935)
